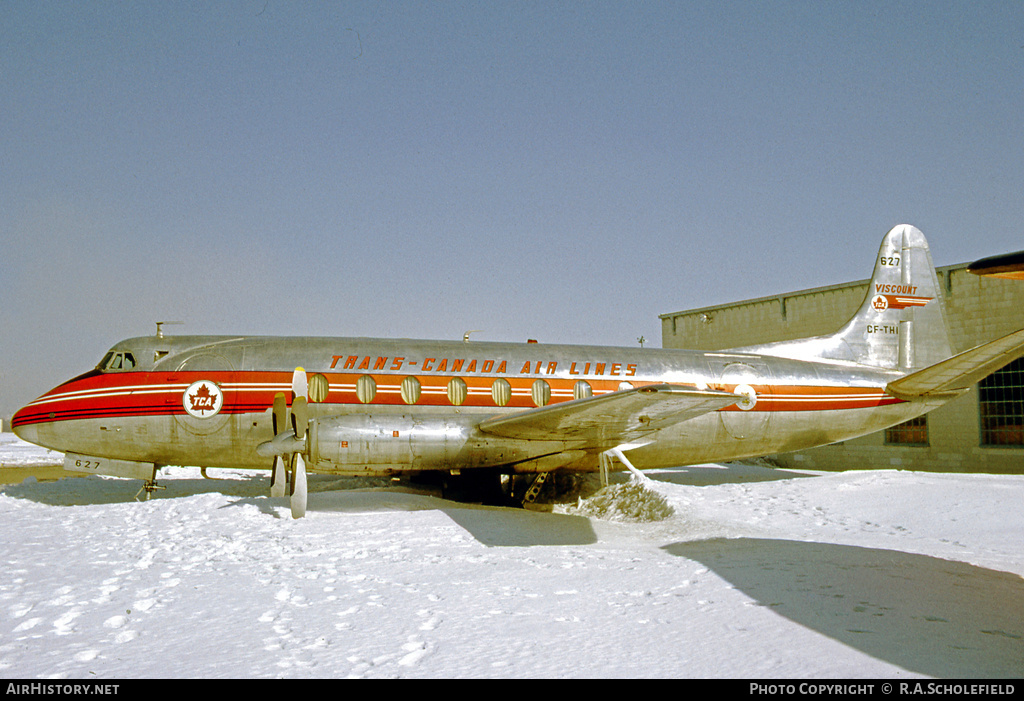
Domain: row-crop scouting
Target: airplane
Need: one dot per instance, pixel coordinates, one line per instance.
(492, 416)
(1009, 266)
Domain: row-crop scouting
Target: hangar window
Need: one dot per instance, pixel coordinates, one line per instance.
(1001, 406)
(913, 432)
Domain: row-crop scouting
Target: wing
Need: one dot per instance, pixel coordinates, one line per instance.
(615, 417)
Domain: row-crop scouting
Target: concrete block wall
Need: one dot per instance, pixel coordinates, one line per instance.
(781, 318)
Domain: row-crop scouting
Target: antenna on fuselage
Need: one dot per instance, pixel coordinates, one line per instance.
(159, 324)
(465, 336)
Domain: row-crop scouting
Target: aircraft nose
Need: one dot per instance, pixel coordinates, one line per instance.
(23, 430)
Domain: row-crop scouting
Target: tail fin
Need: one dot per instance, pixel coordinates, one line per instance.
(901, 323)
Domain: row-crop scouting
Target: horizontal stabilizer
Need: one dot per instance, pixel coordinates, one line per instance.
(616, 417)
(961, 371)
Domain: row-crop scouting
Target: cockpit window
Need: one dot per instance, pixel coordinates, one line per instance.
(117, 361)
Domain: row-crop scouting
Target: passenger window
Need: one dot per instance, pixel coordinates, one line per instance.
(582, 390)
(366, 389)
(318, 388)
(501, 391)
(411, 390)
(540, 393)
(457, 391)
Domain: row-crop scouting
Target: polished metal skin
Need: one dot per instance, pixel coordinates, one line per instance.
(392, 406)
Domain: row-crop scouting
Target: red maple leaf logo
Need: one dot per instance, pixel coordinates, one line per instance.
(202, 400)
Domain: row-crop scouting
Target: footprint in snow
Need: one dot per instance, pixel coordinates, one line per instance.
(431, 623)
(63, 624)
(115, 622)
(28, 625)
(143, 604)
(19, 610)
(415, 651)
(125, 636)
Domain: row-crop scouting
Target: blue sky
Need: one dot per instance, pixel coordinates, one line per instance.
(565, 171)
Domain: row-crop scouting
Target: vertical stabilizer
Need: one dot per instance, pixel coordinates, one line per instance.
(900, 324)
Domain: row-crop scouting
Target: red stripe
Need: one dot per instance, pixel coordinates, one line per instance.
(161, 394)
(789, 398)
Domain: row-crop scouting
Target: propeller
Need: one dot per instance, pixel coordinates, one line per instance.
(300, 421)
(288, 445)
(279, 476)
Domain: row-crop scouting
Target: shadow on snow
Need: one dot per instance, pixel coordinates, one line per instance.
(927, 615)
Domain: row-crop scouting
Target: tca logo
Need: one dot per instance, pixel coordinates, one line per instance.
(203, 399)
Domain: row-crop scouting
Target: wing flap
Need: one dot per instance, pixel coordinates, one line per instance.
(617, 416)
(958, 373)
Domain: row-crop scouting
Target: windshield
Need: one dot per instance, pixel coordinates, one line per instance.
(117, 361)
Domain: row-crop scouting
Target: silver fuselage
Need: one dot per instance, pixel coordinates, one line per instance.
(390, 406)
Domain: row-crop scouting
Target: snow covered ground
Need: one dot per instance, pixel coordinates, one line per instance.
(15, 452)
(759, 573)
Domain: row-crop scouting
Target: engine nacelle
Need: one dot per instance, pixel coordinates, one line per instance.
(361, 443)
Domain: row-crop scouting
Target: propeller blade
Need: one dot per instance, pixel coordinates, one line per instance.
(300, 417)
(279, 478)
(300, 386)
(298, 502)
(280, 412)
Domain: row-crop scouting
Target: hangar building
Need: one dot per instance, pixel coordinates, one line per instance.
(981, 431)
